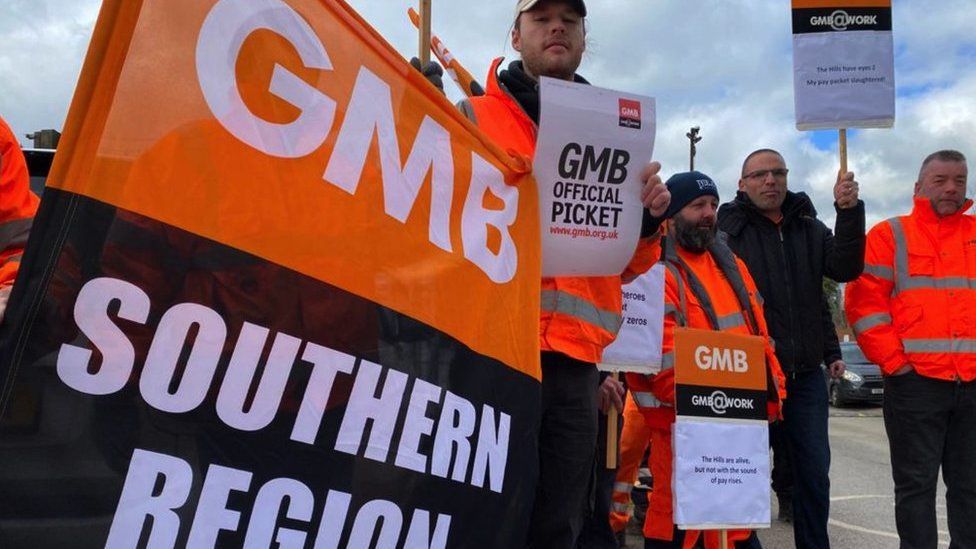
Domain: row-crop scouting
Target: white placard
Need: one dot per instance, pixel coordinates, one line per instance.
(844, 81)
(638, 344)
(721, 474)
(591, 147)
(843, 66)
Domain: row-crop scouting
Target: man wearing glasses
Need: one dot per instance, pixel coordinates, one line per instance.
(788, 252)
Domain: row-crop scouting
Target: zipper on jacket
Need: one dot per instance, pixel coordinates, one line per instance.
(789, 297)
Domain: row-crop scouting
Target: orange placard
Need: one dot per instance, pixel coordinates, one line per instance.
(708, 358)
(292, 131)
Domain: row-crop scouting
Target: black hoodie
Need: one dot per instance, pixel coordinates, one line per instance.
(788, 262)
(524, 88)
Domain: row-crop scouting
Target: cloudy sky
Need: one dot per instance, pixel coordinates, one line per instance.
(723, 65)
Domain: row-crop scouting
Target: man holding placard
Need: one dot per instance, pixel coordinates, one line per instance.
(580, 316)
(708, 288)
(843, 77)
(789, 252)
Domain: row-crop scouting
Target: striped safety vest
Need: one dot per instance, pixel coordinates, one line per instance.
(743, 315)
(915, 303)
(706, 291)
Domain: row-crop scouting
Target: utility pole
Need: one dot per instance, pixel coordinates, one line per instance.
(693, 138)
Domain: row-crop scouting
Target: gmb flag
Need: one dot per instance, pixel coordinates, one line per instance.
(279, 292)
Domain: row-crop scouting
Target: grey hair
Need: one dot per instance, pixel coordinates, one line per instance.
(945, 155)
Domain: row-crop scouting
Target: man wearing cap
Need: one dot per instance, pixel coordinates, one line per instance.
(706, 287)
(789, 252)
(580, 316)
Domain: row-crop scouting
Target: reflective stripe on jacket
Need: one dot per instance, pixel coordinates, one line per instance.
(698, 293)
(580, 316)
(916, 301)
(17, 205)
(634, 438)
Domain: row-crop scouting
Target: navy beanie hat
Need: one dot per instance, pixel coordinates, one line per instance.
(685, 187)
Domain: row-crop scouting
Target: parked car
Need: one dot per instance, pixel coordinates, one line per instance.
(862, 382)
(38, 165)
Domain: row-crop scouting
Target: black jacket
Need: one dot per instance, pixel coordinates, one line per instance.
(788, 262)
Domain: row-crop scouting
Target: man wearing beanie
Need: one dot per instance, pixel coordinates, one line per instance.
(706, 287)
(789, 251)
(580, 316)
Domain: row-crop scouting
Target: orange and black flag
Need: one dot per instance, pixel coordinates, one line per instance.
(278, 291)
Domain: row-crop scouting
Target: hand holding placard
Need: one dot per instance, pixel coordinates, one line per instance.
(654, 194)
(845, 190)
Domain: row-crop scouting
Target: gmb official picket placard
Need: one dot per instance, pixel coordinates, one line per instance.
(591, 147)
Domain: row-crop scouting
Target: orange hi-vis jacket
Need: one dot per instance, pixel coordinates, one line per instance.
(915, 303)
(580, 315)
(634, 439)
(17, 205)
(688, 276)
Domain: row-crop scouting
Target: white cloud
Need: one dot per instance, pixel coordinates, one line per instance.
(44, 42)
(723, 65)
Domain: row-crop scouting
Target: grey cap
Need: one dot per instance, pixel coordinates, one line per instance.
(526, 5)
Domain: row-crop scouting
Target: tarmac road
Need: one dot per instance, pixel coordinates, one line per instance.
(862, 512)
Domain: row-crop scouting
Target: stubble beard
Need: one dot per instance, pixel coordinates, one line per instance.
(538, 66)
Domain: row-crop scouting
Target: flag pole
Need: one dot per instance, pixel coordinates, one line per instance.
(451, 65)
(424, 32)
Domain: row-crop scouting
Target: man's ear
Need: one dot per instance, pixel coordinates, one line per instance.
(742, 185)
(517, 40)
(918, 185)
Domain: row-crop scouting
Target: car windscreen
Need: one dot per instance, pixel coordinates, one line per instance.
(38, 166)
(852, 354)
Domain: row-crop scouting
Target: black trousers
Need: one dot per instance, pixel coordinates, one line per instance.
(567, 447)
(932, 423)
(805, 415)
(596, 533)
(782, 473)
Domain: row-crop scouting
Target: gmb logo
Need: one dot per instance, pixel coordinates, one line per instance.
(839, 20)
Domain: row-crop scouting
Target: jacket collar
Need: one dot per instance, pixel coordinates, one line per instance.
(742, 211)
(923, 211)
(516, 88)
(492, 87)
